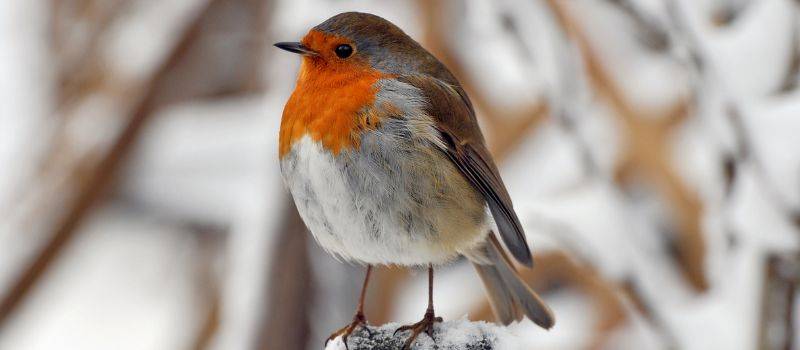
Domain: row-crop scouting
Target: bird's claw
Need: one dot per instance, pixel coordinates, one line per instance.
(358, 320)
(425, 325)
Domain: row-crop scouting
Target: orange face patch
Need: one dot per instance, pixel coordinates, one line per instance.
(331, 98)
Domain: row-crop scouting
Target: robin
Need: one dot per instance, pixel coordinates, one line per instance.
(381, 151)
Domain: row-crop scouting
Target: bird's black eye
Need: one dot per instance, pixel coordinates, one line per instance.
(344, 51)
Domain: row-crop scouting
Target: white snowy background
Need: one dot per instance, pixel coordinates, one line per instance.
(651, 147)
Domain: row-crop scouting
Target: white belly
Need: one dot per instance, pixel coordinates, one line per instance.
(374, 207)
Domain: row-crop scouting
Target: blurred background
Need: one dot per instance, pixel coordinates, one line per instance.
(652, 149)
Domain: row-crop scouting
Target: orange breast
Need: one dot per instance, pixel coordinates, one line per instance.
(329, 105)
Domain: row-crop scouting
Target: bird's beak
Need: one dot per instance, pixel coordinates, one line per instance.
(296, 48)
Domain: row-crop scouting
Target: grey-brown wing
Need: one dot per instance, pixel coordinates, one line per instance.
(465, 147)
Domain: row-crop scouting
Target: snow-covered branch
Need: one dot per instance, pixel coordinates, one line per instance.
(450, 335)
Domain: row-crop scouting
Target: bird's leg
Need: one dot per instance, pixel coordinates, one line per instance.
(358, 319)
(427, 322)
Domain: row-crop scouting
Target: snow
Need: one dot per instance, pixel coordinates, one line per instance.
(650, 80)
(209, 162)
(24, 92)
(450, 335)
(509, 64)
(137, 43)
(135, 279)
(752, 55)
(772, 126)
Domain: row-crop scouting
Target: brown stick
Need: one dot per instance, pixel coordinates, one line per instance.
(287, 323)
(781, 280)
(210, 245)
(386, 286)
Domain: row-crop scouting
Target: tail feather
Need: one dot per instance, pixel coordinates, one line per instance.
(500, 298)
(509, 295)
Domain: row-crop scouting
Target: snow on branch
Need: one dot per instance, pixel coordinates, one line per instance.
(449, 335)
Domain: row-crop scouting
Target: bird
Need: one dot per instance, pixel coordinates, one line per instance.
(380, 149)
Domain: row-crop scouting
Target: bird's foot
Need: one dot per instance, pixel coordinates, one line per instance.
(358, 320)
(426, 325)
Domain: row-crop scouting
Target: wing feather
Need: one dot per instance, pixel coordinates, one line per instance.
(465, 147)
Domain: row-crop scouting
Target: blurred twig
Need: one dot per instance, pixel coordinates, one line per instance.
(778, 306)
(726, 12)
(793, 72)
(386, 286)
(88, 176)
(744, 150)
(76, 31)
(210, 243)
(506, 128)
(287, 323)
(555, 270)
(647, 152)
(645, 308)
(651, 33)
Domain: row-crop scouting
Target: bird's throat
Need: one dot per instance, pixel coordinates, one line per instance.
(329, 105)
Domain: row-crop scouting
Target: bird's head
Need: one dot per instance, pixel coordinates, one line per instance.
(354, 41)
